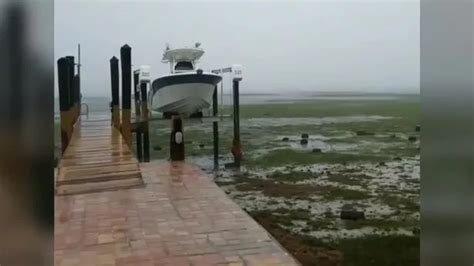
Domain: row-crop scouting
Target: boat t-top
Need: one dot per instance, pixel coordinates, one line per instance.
(187, 89)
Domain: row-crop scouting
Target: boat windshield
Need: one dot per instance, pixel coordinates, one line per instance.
(184, 65)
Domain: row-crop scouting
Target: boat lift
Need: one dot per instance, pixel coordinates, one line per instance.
(236, 72)
(140, 125)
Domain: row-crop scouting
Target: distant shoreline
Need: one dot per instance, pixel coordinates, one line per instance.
(307, 93)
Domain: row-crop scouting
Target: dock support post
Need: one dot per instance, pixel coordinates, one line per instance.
(72, 89)
(79, 78)
(126, 63)
(145, 128)
(136, 91)
(77, 96)
(177, 139)
(215, 129)
(114, 78)
(64, 101)
(70, 101)
(138, 128)
(236, 147)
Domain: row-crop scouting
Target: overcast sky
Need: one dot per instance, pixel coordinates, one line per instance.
(285, 46)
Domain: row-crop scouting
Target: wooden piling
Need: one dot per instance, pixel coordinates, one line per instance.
(144, 101)
(79, 77)
(72, 88)
(114, 77)
(77, 95)
(177, 139)
(64, 101)
(126, 64)
(145, 125)
(138, 130)
(136, 91)
(70, 101)
(236, 147)
(138, 136)
(215, 129)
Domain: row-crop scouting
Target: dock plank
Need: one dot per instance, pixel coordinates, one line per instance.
(96, 159)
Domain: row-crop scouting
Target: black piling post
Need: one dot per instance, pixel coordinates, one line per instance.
(236, 147)
(126, 64)
(138, 129)
(138, 135)
(79, 76)
(136, 92)
(72, 88)
(77, 95)
(145, 128)
(63, 101)
(177, 139)
(146, 143)
(215, 129)
(114, 78)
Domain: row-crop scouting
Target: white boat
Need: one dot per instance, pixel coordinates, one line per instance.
(187, 89)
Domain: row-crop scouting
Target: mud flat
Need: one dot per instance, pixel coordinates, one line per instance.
(356, 157)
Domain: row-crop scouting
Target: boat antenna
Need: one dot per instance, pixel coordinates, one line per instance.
(167, 46)
(197, 45)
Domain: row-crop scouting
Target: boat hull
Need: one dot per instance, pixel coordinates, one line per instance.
(183, 93)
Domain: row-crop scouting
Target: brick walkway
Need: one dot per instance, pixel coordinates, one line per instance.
(179, 218)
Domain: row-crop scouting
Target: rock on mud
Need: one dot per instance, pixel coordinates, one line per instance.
(157, 148)
(417, 128)
(304, 136)
(332, 257)
(412, 138)
(416, 231)
(285, 139)
(304, 141)
(328, 214)
(231, 166)
(352, 215)
(316, 150)
(364, 133)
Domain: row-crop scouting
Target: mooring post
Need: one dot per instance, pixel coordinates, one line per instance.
(77, 96)
(138, 129)
(126, 63)
(79, 77)
(114, 78)
(70, 101)
(136, 91)
(72, 88)
(145, 128)
(236, 147)
(63, 101)
(177, 139)
(215, 129)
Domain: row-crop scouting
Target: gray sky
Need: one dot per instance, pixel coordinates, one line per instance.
(284, 46)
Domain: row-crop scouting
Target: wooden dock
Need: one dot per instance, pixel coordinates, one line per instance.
(96, 159)
(110, 210)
